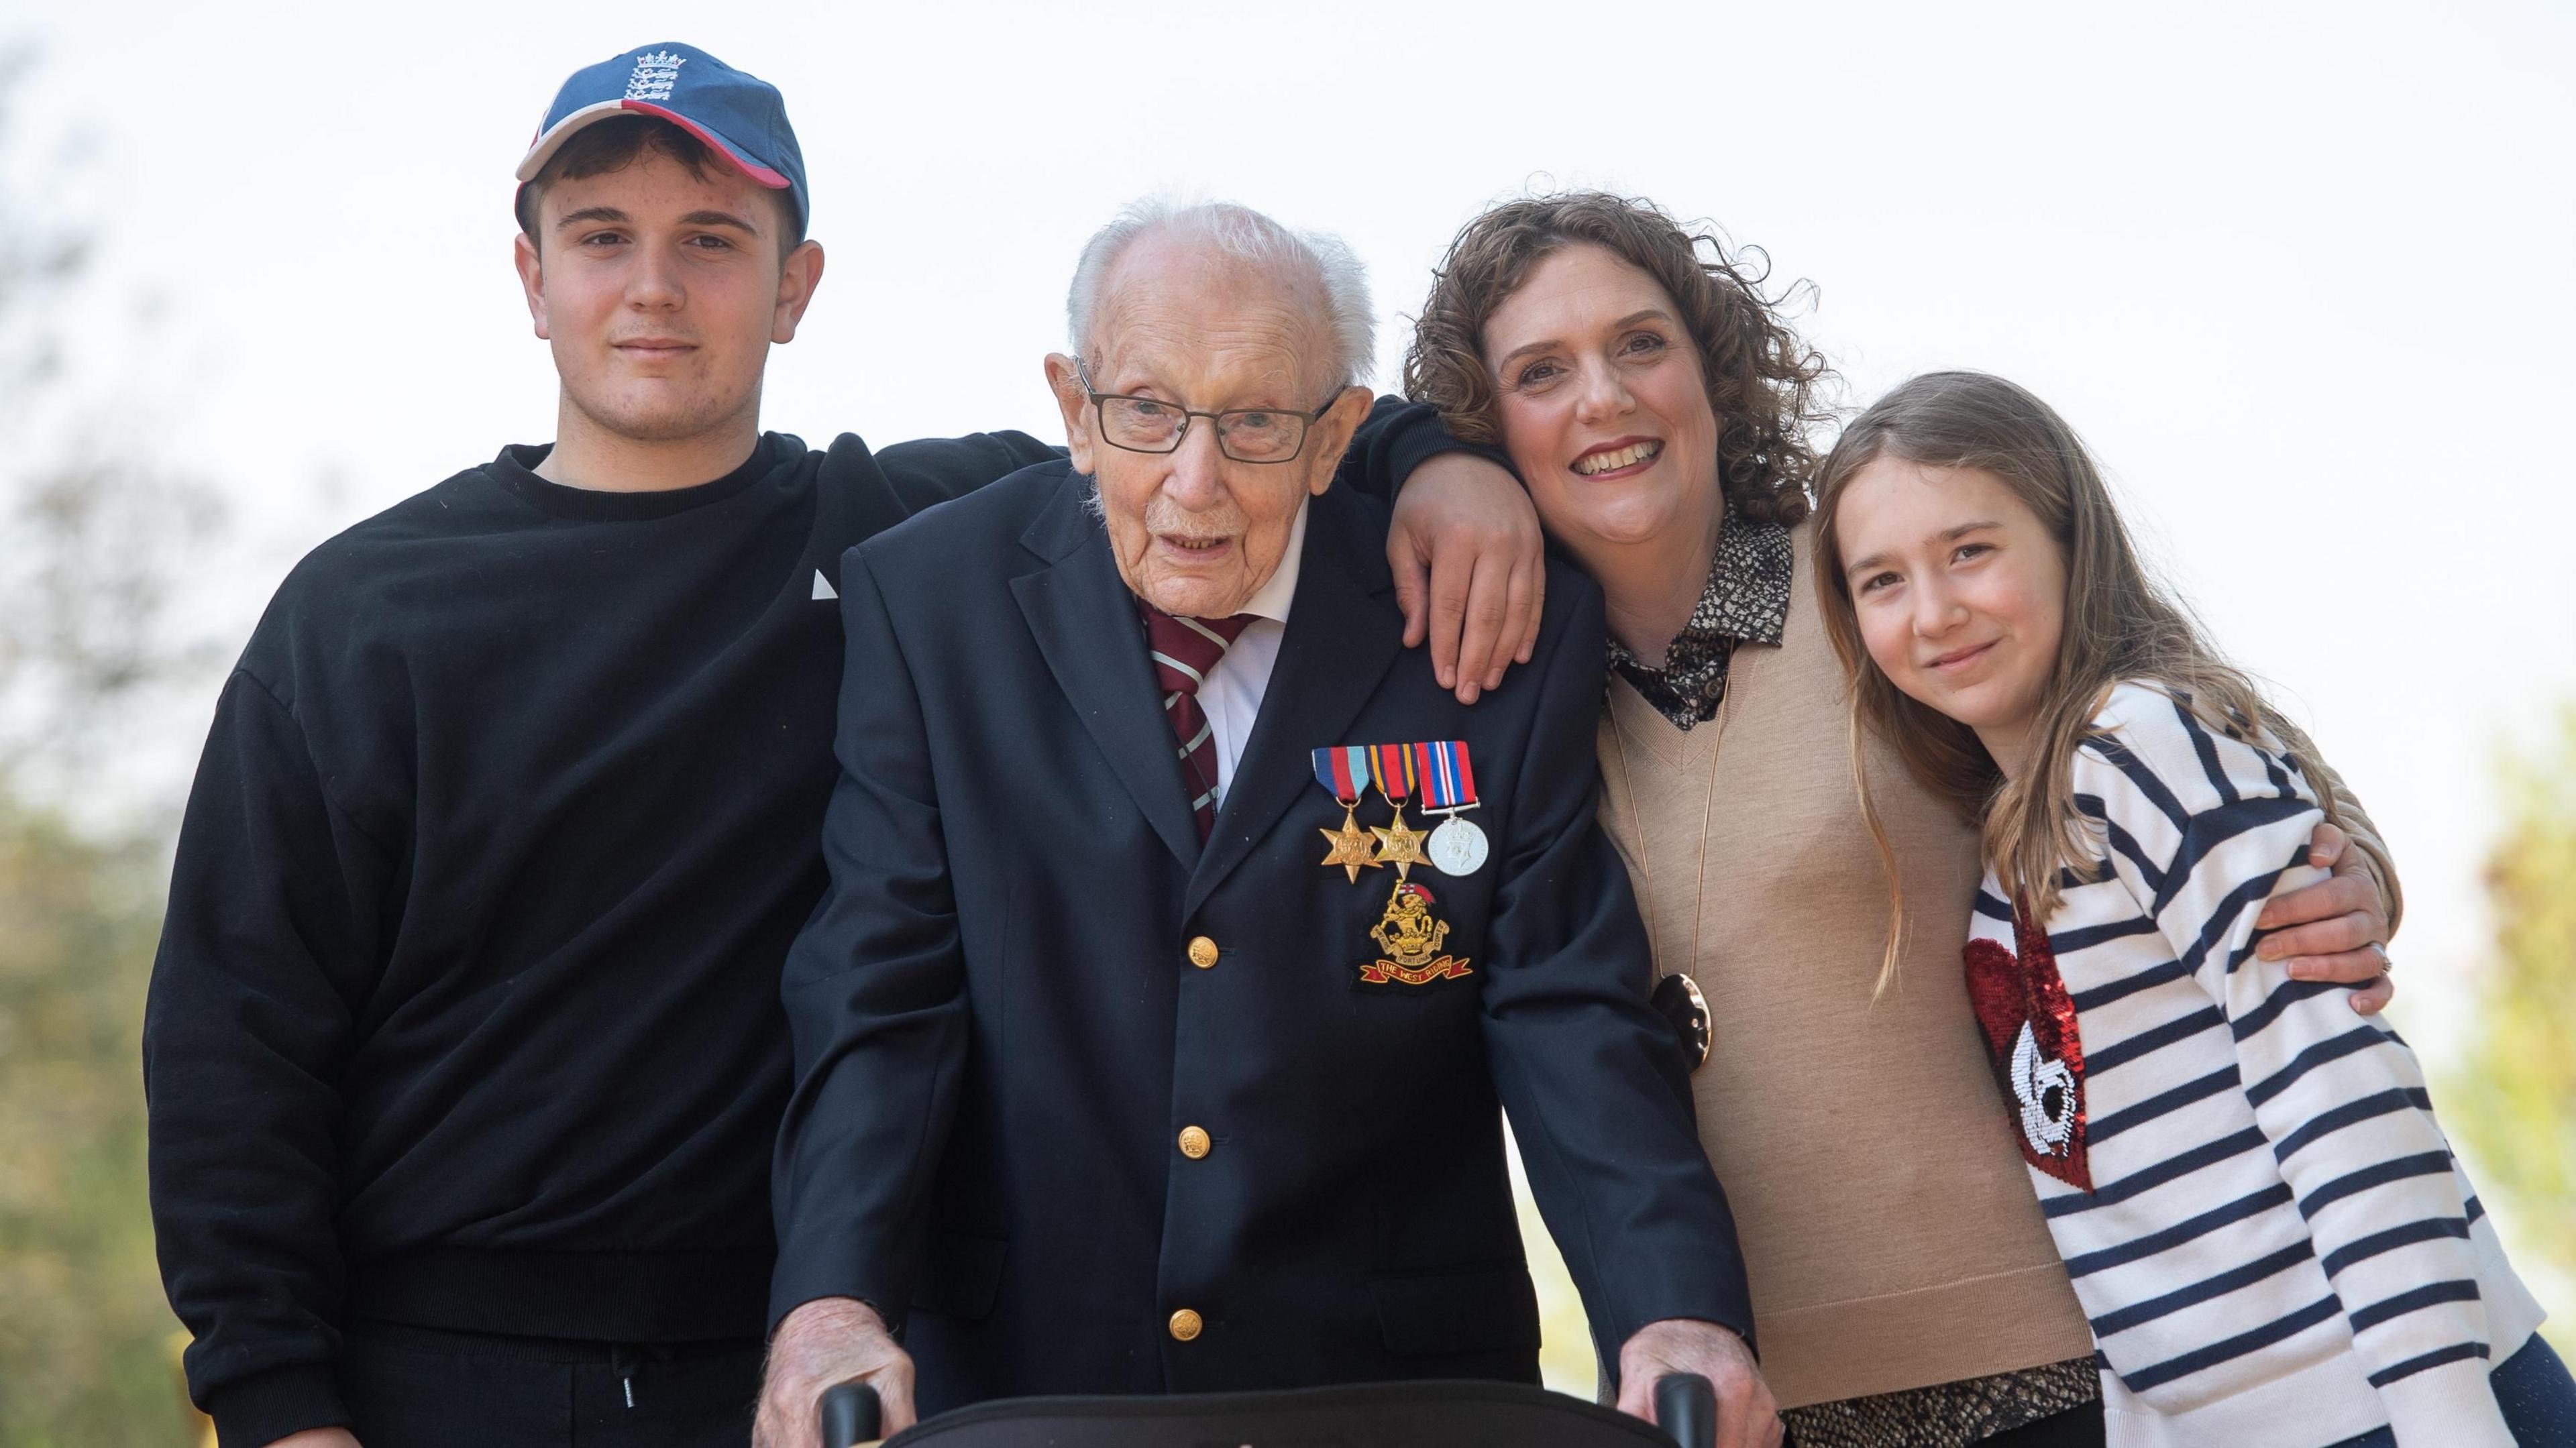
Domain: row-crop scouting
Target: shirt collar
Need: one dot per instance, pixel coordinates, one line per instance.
(1748, 581)
(1746, 600)
(1746, 597)
(1271, 601)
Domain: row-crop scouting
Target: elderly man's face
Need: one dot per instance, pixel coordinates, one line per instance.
(1195, 532)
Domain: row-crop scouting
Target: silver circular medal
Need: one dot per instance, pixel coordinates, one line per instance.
(1458, 847)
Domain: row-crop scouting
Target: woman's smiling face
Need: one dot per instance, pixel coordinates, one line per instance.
(1604, 407)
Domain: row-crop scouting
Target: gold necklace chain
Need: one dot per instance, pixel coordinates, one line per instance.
(1645, 861)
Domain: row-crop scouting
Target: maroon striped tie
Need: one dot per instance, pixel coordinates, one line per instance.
(1184, 650)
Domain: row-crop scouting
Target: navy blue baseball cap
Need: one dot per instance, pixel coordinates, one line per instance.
(740, 117)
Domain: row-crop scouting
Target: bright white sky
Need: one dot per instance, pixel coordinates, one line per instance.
(2301, 273)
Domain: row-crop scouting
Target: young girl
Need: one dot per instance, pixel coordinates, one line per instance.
(2263, 1223)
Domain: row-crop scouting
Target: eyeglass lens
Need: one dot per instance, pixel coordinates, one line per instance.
(1247, 435)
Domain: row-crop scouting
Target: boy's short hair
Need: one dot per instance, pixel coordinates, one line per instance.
(620, 141)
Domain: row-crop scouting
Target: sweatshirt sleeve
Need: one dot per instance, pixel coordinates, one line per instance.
(263, 954)
(2202, 829)
(1398, 437)
(933, 470)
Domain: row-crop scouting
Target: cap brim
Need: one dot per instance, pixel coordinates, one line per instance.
(553, 138)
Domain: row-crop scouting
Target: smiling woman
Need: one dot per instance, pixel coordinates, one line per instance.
(2140, 802)
(1657, 405)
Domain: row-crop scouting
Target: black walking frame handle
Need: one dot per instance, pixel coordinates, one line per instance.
(851, 1415)
(1685, 1406)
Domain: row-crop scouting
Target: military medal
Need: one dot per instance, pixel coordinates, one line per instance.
(1390, 768)
(1448, 786)
(1410, 937)
(1343, 771)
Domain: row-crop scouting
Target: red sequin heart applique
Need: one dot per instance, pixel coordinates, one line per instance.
(2029, 1025)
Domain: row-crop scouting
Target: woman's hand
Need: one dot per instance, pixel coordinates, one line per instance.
(1470, 569)
(2336, 929)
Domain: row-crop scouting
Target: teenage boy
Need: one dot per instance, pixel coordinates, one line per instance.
(464, 1049)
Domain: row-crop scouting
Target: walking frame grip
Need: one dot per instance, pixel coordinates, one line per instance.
(1685, 1406)
(851, 1415)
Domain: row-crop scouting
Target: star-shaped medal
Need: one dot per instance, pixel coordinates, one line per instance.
(1350, 846)
(1398, 846)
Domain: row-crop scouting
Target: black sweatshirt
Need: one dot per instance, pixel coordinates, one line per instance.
(466, 1008)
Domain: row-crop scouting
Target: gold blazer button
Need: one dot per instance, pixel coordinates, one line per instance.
(1185, 1325)
(1194, 1142)
(1202, 952)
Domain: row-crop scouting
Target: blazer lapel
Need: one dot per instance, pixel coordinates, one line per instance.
(1084, 621)
(1344, 630)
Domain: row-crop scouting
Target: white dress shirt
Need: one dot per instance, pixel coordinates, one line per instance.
(1231, 694)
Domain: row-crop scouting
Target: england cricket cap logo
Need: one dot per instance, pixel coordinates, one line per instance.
(738, 116)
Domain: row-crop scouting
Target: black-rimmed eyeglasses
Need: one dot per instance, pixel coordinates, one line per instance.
(1245, 434)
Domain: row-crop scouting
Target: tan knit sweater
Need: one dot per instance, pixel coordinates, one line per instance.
(1888, 1226)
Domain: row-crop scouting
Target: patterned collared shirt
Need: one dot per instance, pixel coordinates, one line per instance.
(1746, 600)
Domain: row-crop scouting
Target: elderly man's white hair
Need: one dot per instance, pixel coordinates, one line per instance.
(1243, 232)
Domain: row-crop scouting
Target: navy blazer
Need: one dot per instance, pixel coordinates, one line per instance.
(1001, 1035)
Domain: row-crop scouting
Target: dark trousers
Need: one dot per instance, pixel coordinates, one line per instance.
(411, 1387)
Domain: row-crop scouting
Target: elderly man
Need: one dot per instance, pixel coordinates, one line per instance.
(1113, 1076)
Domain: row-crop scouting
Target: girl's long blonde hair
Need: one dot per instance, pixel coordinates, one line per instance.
(2119, 625)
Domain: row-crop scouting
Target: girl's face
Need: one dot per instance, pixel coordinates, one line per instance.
(1961, 593)
(1604, 408)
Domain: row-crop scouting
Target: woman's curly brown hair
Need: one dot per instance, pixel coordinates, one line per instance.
(1762, 380)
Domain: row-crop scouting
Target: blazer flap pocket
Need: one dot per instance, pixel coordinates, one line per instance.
(1476, 1309)
(960, 1276)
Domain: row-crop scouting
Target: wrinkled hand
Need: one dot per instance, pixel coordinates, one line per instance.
(2335, 929)
(829, 1340)
(1470, 569)
(1746, 1415)
(318, 1438)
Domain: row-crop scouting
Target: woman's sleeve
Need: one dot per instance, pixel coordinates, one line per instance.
(2202, 828)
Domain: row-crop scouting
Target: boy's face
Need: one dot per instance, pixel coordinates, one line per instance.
(661, 293)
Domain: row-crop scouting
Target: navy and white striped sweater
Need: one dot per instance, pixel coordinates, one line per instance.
(2261, 1218)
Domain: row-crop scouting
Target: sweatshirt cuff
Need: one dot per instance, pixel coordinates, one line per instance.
(2451, 1405)
(256, 1411)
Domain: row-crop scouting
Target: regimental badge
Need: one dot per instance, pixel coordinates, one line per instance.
(1447, 783)
(2029, 1022)
(1391, 770)
(1343, 771)
(1410, 937)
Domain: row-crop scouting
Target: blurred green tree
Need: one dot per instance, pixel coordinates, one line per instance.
(84, 1330)
(2513, 1099)
(88, 538)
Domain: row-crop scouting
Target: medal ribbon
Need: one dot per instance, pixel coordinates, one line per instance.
(1441, 768)
(1343, 771)
(1390, 768)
